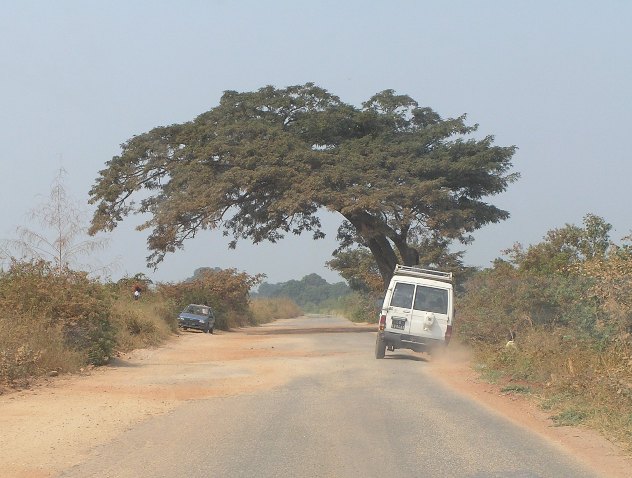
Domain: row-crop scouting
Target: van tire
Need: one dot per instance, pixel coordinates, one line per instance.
(380, 347)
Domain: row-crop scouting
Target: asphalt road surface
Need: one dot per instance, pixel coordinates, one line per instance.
(345, 414)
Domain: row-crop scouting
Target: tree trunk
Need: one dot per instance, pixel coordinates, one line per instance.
(378, 243)
(410, 255)
(384, 257)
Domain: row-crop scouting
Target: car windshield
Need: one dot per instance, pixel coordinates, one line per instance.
(431, 299)
(197, 310)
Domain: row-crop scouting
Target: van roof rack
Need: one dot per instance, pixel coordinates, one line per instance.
(425, 273)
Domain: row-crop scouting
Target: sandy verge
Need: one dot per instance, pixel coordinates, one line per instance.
(56, 423)
(455, 371)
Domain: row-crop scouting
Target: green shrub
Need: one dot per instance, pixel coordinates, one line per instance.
(360, 307)
(102, 340)
(569, 417)
(226, 291)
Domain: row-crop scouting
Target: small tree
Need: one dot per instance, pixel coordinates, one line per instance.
(62, 238)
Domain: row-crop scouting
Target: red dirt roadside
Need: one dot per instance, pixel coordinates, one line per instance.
(588, 446)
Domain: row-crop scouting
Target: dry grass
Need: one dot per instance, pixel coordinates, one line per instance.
(269, 309)
(578, 382)
(142, 323)
(29, 349)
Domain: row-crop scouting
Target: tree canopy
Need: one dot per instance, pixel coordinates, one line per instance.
(261, 164)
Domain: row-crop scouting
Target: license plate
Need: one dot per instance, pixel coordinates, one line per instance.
(398, 324)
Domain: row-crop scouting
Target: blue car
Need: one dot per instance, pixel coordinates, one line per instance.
(198, 317)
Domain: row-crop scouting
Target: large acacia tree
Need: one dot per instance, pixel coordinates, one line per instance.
(261, 164)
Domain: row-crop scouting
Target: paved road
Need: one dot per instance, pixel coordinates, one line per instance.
(349, 415)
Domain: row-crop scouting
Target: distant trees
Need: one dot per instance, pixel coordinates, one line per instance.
(308, 293)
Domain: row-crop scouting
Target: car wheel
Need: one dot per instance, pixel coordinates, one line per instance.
(207, 329)
(211, 331)
(380, 347)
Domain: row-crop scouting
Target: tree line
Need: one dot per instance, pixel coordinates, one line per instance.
(310, 293)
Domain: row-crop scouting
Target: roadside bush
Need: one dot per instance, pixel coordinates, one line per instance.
(226, 291)
(359, 307)
(64, 300)
(28, 348)
(265, 310)
(18, 358)
(504, 299)
(568, 302)
(142, 323)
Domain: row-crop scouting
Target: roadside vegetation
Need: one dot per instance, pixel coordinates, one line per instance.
(312, 293)
(57, 316)
(552, 321)
(567, 303)
(55, 320)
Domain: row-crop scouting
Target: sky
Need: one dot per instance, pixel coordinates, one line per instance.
(553, 78)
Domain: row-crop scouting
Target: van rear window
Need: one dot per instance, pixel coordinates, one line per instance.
(403, 295)
(431, 299)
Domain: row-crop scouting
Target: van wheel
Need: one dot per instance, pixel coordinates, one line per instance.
(380, 348)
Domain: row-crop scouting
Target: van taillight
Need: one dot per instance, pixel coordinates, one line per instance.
(448, 334)
(382, 322)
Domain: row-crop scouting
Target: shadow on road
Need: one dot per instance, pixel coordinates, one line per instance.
(414, 358)
(310, 330)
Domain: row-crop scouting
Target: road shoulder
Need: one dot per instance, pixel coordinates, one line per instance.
(454, 369)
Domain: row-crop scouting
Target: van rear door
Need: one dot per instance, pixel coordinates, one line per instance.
(430, 314)
(399, 310)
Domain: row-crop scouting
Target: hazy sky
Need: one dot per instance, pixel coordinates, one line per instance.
(554, 78)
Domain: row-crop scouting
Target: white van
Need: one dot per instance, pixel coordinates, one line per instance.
(417, 312)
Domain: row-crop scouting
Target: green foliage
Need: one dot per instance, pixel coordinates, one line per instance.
(514, 388)
(504, 298)
(99, 341)
(44, 310)
(570, 417)
(539, 286)
(564, 247)
(361, 307)
(310, 293)
(261, 164)
(568, 299)
(226, 291)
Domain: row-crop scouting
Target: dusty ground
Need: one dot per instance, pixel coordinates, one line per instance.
(455, 371)
(54, 425)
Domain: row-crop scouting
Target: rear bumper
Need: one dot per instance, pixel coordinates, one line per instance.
(412, 342)
(191, 324)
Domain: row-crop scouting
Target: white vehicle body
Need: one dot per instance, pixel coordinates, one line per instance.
(417, 312)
